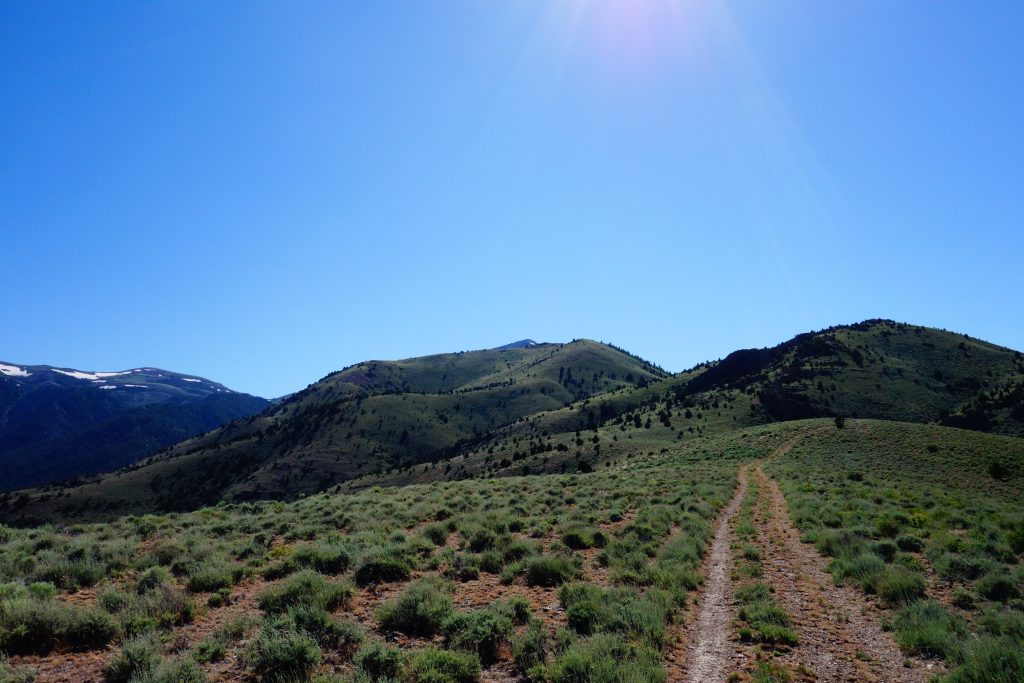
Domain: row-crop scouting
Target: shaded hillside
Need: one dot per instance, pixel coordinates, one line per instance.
(374, 415)
(876, 369)
(553, 408)
(57, 423)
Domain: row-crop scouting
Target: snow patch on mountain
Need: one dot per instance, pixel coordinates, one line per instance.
(78, 374)
(190, 379)
(13, 371)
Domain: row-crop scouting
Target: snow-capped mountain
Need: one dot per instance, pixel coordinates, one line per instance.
(61, 422)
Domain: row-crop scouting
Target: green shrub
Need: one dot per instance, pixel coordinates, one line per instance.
(997, 586)
(181, 670)
(964, 599)
(484, 632)
(42, 590)
(325, 558)
(885, 549)
(775, 634)
(909, 543)
(70, 573)
(1016, 539)
(991, 660)
(754, 592)
(888, 527)
(839, 542)
(463, 568)
(220, 598)
(771, 672)
(436, 533)
(531, 648)
(137, 655)
(1003, 623)
(766, 620)
(422, 609)
(382, 568)
(82, 628)
(581, 538)
(591, 609)
(518, 550)
(210, 650)
(279, 569)
(961, 568)
(605, 658)
(164, 606)
(380, 662)
(751, 553)
(443, 666)
(305, 588)
(215, 647)
(864, 570)
(481, 539)
(550, 570)
(213, 576)
(282, 653)
(930, 630)
(517, 608)
(151, 579)
(336, 634)
(898, 586)
(763, 613)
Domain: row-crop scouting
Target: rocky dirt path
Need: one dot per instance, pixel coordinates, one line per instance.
(709, 635)
(841, 638)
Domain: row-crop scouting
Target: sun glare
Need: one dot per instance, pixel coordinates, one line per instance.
(640, 30)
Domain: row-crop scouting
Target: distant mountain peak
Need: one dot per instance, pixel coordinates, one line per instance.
(71, 422)
(521, 344)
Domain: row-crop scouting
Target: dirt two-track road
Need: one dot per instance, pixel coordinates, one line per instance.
(840, 632)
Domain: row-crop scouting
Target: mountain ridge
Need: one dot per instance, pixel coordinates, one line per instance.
(58, 422)
(555, 408)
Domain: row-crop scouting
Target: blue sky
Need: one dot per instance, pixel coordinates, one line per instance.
(262, 193)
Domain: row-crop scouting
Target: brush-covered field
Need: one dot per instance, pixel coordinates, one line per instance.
(552, 577)
(929, 521)
(559, 577)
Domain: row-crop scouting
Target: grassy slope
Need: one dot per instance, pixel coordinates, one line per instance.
(655, 513)
(357, 420)
(930, 519)
(875, 370)
(933, 482)
(499, 413)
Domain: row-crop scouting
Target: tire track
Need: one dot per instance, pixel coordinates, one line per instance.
(841, 638)
(710, 633)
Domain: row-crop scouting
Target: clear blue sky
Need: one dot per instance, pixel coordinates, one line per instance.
(261, 193)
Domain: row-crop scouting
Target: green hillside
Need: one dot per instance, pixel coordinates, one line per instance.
(371, 416)
(552, 408)
(876, 369)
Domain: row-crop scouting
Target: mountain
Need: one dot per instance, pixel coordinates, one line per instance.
(57, 423)
(521, 344)
(372, 416)
(551, 408)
